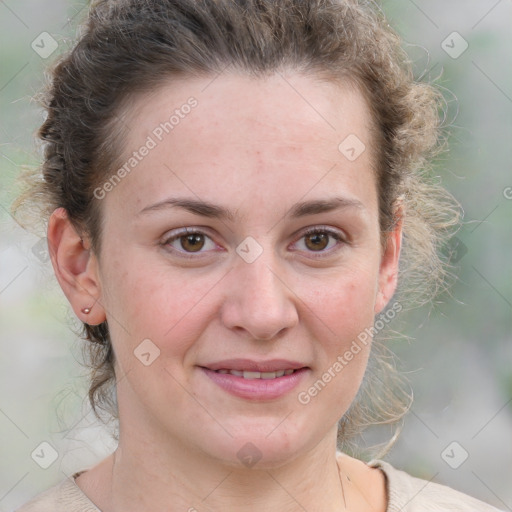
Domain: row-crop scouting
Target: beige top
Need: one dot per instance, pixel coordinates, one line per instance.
(405, 494)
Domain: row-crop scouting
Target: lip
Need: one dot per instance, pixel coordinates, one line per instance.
(250, 365)
(256, 389)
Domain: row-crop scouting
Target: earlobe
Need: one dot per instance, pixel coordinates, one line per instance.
(76, 268)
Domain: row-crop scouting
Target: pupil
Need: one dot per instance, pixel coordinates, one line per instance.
(192, 242)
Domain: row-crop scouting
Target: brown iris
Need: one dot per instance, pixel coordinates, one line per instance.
(317, 241)
(193, 242)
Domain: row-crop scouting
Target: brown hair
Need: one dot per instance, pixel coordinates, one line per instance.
(131, 46)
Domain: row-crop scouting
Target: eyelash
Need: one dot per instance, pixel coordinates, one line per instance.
(340, 239)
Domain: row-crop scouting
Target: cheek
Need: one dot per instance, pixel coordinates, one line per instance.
(344, 303)
(150, 300)
(342, 311)
(156, 305)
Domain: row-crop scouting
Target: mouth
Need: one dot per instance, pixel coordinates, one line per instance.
(262, 381)
(247, 374)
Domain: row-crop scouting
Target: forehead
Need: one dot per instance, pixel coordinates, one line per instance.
(233, 132)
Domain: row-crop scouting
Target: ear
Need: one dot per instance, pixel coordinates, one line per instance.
(76, 268)
(388, 272)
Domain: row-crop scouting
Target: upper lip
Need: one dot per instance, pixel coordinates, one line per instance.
(250, 365)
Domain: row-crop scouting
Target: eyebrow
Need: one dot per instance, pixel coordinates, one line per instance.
(207, 209)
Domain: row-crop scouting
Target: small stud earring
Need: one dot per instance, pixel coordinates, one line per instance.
(86, 311)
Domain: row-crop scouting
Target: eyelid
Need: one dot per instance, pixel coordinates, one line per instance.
(336, 233)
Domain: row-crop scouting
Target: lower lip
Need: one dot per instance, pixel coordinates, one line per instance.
(256, 389)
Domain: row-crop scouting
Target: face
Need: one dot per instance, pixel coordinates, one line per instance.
(243, 238)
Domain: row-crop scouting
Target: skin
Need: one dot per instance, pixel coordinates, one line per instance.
(258, 148)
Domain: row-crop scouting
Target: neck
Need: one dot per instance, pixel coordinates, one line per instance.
(143, 478)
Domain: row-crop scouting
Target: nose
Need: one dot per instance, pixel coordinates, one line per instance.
(259, 301)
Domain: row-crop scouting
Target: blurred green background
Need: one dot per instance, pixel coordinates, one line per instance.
(460, 354)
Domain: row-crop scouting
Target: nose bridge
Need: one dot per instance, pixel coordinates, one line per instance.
(258, 300)
(261, 279)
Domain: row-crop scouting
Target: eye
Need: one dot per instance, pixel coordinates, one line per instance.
(189, 241)
(321, 240)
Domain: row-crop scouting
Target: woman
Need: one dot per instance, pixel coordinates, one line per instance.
(228, 188)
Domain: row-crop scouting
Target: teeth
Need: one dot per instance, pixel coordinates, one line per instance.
(257, 375)
(252, 375)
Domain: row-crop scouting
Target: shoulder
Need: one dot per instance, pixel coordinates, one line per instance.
(410, 494)
(66, 496)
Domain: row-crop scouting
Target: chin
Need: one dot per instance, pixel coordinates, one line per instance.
(265, 447)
